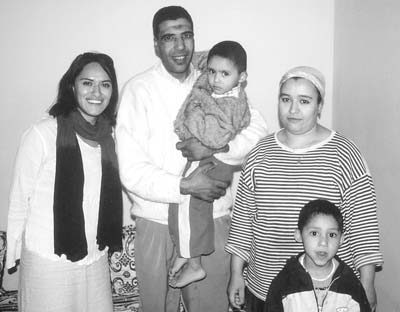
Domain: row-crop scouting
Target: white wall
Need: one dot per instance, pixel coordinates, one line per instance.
(39, 39)
(367, 109)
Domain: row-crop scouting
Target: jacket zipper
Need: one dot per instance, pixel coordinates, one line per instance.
(326, 294)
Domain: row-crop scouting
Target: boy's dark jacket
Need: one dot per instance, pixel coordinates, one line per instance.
(292, 291)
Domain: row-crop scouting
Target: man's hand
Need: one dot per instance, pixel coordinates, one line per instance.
(199, 185)
(193, 150)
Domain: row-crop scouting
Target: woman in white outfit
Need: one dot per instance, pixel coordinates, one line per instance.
(65, 209)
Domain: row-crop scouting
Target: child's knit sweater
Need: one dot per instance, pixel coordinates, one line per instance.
(213, 121)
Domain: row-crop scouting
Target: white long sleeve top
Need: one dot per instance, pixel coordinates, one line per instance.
(150, 165)
(30, 216)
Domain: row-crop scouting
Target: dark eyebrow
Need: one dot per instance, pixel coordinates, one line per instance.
(318, 228)
(301, 95)
(83, 78)
(306, 96)
(171, 34)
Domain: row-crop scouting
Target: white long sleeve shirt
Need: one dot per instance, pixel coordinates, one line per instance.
(32, 193)
(150, 165)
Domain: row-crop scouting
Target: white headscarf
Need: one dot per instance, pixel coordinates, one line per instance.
(311, 74)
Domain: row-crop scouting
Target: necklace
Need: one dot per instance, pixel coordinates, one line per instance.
(326, 277)
(301, 141)
(311, 130)
(321, 279)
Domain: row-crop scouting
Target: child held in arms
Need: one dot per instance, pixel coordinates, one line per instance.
(317, 280)
(214, 112)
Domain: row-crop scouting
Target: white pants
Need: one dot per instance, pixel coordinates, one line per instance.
(60, 286)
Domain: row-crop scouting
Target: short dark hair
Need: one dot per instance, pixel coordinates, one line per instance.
(169, 13)
(231, 50)
(66, 99)
(316, 207)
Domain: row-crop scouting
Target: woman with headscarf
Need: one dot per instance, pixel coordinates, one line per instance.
(65, 209)
(301, 162)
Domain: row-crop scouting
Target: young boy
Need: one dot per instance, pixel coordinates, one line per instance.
(213, 113)
(317, 280)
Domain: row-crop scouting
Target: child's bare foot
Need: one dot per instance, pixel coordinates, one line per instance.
(191, 272)
(177, 265)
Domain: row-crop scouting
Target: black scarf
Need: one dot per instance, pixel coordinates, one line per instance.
(69, 223)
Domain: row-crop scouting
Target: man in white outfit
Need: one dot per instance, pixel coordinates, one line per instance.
(152, 162)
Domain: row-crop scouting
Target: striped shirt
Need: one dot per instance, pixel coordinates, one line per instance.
(276, 182)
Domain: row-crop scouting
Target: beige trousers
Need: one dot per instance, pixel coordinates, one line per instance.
(154, 253)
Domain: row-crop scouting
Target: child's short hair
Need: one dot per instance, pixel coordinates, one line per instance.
(316, 207)
(168, 13)
(231, 50)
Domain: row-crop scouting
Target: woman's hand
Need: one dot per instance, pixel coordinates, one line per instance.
(236, 283)
(371, 295)
(367, 279)
(236, 290)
